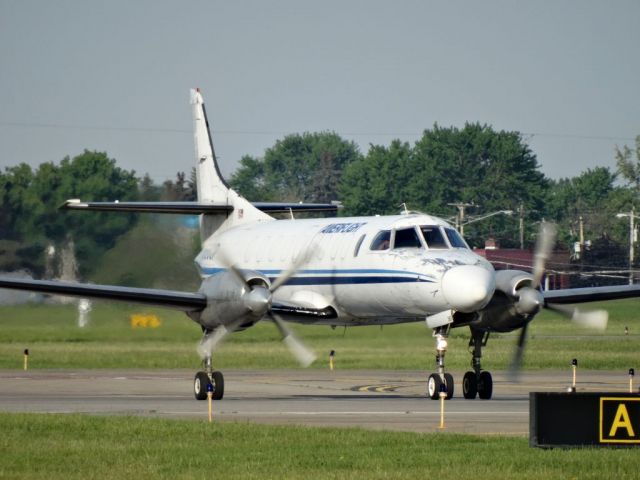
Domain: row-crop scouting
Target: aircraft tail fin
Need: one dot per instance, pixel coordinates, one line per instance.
(211, 185)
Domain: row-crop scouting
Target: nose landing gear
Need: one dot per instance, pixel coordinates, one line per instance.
(437, 379)
(208, 377)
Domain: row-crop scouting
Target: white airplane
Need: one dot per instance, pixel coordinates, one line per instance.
(337, 271)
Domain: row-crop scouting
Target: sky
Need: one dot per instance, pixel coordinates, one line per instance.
(115, 76)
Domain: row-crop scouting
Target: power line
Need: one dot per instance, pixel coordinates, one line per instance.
(282, 132)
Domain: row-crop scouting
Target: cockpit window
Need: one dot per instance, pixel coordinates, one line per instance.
(455, 239)
(381, 241)
(407, 238)
(433, 237)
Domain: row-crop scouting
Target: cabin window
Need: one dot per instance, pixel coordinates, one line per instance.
(455, 239)
(434, 238)
(407, 238)
(358, 245)
(382, 241)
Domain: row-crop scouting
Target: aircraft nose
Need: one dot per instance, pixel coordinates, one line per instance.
(468, 288)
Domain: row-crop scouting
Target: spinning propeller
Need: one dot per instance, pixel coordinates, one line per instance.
(530, 299)
(257, 302)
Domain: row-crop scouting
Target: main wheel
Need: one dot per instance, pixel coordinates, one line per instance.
(200, 383)
(448, 381)
(485, 386)
(433, 386)
(470, 385)
(218, 385)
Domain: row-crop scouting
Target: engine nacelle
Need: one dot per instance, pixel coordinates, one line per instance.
(230, 301)
(510, 281)
(514, 303)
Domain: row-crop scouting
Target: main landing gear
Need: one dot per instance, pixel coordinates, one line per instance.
(478, 382)
(208, 377)
(474, 383)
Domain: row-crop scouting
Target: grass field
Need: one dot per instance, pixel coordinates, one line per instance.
(109, 341)
(80, 446)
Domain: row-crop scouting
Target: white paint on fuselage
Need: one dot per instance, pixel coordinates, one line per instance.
(370, 287)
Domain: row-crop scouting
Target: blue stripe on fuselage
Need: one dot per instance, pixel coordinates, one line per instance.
(336, 277)
(349, 280)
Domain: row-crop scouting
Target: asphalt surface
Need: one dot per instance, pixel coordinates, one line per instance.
(381, 400)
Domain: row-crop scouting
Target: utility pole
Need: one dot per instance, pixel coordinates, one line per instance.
(632, 228)
(581, 220)
(632, 231)
(521, 212)
(460, 217)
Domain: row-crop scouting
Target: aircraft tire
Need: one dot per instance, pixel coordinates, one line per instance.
(433, 386)
(448, 381)
(218, 385)
(200, 385)
(485, 386)
(470, 385)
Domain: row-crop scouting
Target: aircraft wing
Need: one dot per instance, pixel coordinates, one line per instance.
(185, 301)
(591, 294)
(304, 313)
(194, 208)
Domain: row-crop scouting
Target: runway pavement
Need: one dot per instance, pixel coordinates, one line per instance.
(381, 400)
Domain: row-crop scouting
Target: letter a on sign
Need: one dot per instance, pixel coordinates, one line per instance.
(621, 420)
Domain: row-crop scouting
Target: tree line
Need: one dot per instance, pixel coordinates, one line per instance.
(31, 223)
(476, 166)
(486, 170)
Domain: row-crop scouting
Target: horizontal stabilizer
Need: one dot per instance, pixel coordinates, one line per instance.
(184, 208)
(185, 301)
(275, 207)
(195, 208)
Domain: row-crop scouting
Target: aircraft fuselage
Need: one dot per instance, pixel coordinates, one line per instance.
(365, 283)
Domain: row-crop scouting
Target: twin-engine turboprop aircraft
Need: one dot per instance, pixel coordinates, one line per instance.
(337, 271)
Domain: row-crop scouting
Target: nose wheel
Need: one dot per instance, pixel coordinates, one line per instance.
(434, 382)
(209, 376)
(201, 382)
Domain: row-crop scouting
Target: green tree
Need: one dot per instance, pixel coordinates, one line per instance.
(495, 170)
(593, 199)
(303, 167)
(30, 201)
(375, 184)
(628, 166)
